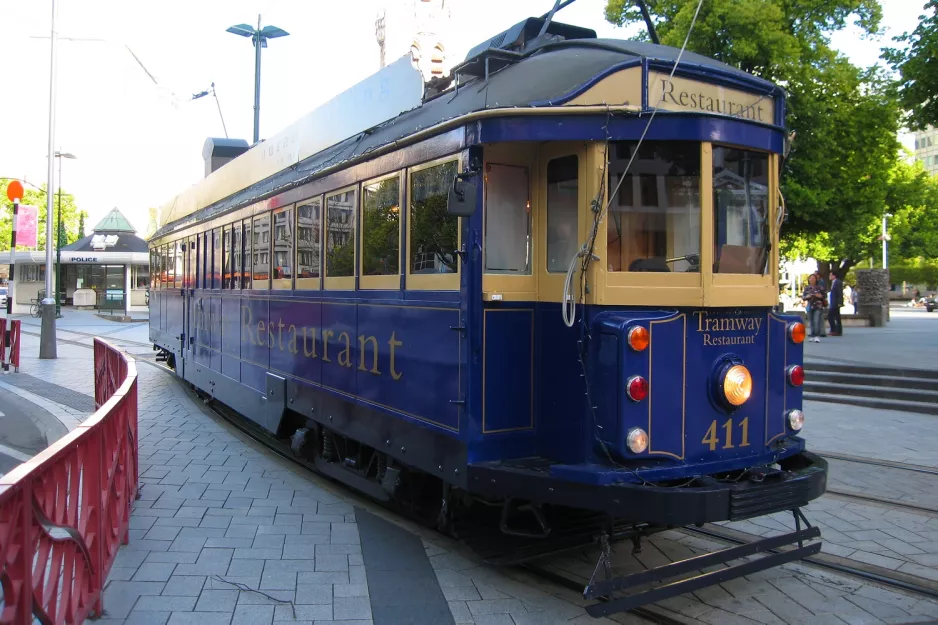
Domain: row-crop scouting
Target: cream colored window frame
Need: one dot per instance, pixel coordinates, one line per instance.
(340, 283)
(384, 282)
(431, 282)
(309, 284)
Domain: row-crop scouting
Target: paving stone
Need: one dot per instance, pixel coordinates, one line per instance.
(154, 572)
(253, 615)
(138, 617)
(318, 593)
(200, 618)
(217, 600)
(172, 603)
(184, 585)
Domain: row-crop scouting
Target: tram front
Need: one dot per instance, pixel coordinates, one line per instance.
(629, 284)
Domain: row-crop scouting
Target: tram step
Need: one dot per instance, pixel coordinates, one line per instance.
(871, 380)
(930, 407)
(864, 390)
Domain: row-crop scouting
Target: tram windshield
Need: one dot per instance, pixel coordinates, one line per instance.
(654, 217)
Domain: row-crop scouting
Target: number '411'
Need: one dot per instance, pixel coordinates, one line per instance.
(712, 437)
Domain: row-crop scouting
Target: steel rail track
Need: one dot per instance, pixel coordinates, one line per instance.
(917, 468)
(110, 337)
(825, 561)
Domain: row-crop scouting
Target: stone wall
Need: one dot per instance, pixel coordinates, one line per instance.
(873, 295)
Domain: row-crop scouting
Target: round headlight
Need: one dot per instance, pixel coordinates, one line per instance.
(737, 385)
(795, 419)
(637, 440)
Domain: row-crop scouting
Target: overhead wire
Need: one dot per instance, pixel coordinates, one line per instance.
(586, 254)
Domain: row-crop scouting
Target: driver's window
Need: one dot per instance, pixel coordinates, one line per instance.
(654, 218)
(507, 220)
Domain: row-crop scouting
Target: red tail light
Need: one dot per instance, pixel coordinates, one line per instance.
(637, 388)
(796, 375)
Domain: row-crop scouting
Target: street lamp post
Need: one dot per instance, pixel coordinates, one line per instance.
(47, 339)
(259, 37)
(58, 237)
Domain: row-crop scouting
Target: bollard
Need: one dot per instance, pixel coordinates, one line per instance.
(14, 344)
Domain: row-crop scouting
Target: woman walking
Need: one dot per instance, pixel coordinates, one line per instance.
(814, 302)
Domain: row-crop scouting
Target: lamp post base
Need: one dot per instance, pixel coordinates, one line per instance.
(47, 341)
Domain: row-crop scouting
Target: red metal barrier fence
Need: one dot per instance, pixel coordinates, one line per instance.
(65, 512)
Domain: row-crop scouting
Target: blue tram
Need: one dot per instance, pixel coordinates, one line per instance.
(545, 283)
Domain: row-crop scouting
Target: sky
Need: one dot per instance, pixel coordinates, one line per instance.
(127, 70)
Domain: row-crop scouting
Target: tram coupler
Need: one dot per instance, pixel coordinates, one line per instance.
(652, 585)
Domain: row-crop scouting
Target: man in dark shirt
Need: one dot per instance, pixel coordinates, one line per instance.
(836, 301)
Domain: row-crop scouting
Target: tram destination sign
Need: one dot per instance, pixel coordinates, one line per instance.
(683, 94)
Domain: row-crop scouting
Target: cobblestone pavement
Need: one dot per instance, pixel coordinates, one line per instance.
(227, 533)
(885, 482)
(869, 433)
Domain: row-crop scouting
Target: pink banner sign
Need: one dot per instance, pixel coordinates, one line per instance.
(27, 226)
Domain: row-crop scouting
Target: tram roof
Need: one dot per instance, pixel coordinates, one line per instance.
(550, 74)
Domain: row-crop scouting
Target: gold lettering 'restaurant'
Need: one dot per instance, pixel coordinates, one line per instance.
(682, 94)
(270, 333)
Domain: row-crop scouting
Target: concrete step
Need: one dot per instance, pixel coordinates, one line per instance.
(898, 372)
(875, 402)
(868, 379)
(869, 390)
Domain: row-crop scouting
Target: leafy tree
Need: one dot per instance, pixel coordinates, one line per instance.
(81, 224)
(71, 216)
(836, 178)
(917, 69)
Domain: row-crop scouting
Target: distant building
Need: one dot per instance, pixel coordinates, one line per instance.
(416, 26)
(108, 269)
(926, 149)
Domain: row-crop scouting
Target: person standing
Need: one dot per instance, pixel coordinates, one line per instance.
(814, 298)
(836, 301)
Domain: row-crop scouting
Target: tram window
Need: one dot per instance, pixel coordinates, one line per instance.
(507, 220)
(191, 263)
(246, 271)
(178, 250)
(433, 233)
(226, 258)
(308, 226)
(206, 270)
(741, 208)
(261, 250)
(154, 270)
(654, 218)
(216, 258)
(283, 249)
(236, 256)
(169, 266)
(562, 199)
(340, 234)
(381, 230)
